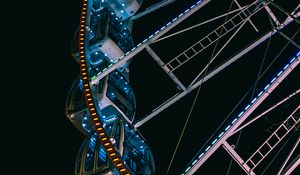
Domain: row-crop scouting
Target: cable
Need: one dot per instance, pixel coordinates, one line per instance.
(253, 91)
(269, 41)
(246, 94)
(196, 96)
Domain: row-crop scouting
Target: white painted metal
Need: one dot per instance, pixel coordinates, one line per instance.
(266, 111)
(152, 8)
(252, 24)
(199, 46)
(295, 163)
(150, 40)
(160, 62)
(243, 117)
(237, 158)
(279, 138)
(200, 24)
(289, 156)
(178, 96)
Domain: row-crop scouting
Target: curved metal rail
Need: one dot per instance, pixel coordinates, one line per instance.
(83, 52)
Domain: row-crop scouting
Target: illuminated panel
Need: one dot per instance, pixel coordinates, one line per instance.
(103, 137)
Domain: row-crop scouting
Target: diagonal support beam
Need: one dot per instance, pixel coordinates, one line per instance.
(266, 111)
(284, 11)
(189, 89)
(237, 158)
(252, 24)
(295, 163)
(152, 8)
(181, 17)
(242, 117)
(199, 24)
(289, 156)
(271, 14)
(274, 139)
(160, 62)
(219, 51)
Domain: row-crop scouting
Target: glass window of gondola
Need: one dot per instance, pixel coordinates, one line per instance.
(120, 34)
(98, 61)
(120, 93)
(75, 100)
(99, 25)
(89, 159)
(79, 157)
(101, 156)
(137, 154)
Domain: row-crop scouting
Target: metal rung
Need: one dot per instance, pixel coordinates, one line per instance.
(224, 28)
(253, 164)
(193, 50)
(242, 17)
(190, 50)
(285, 127)
(260, 154)
(247, 10)
(276, 142)
(233, 23)
(209, 39)
(178, 60)
(294, 119)
(169, 67)
(277, 136)
(269, 145)
(185, 56)
(216, 33)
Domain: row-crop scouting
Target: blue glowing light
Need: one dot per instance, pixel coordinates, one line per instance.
(220, 135)
(273, 79)
(268, 85)
(253, 100)
(292, 60)
(188, 169)
(227, 127)
(286, 66)
(241, 113)
(234, 121)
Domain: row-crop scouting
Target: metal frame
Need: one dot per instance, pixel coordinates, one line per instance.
(152, 9)
(237, 56)
(229, 130)
(181, 17)
(266, 111)
(288, 157)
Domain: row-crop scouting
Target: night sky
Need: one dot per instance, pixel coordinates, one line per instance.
(56, 141)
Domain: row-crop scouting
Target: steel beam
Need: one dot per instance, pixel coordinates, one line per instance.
(178, 96)
(248, 110)
(151, 39)
(237, 158)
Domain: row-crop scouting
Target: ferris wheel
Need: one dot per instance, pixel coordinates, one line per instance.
(235, 55)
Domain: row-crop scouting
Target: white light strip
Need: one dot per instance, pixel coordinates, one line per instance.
(242, 112)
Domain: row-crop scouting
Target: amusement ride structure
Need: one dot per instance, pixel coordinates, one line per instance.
(102, 104)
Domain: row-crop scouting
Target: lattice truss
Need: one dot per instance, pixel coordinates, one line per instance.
(221, 41)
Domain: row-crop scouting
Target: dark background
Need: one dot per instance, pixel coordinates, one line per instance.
(40, 71)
